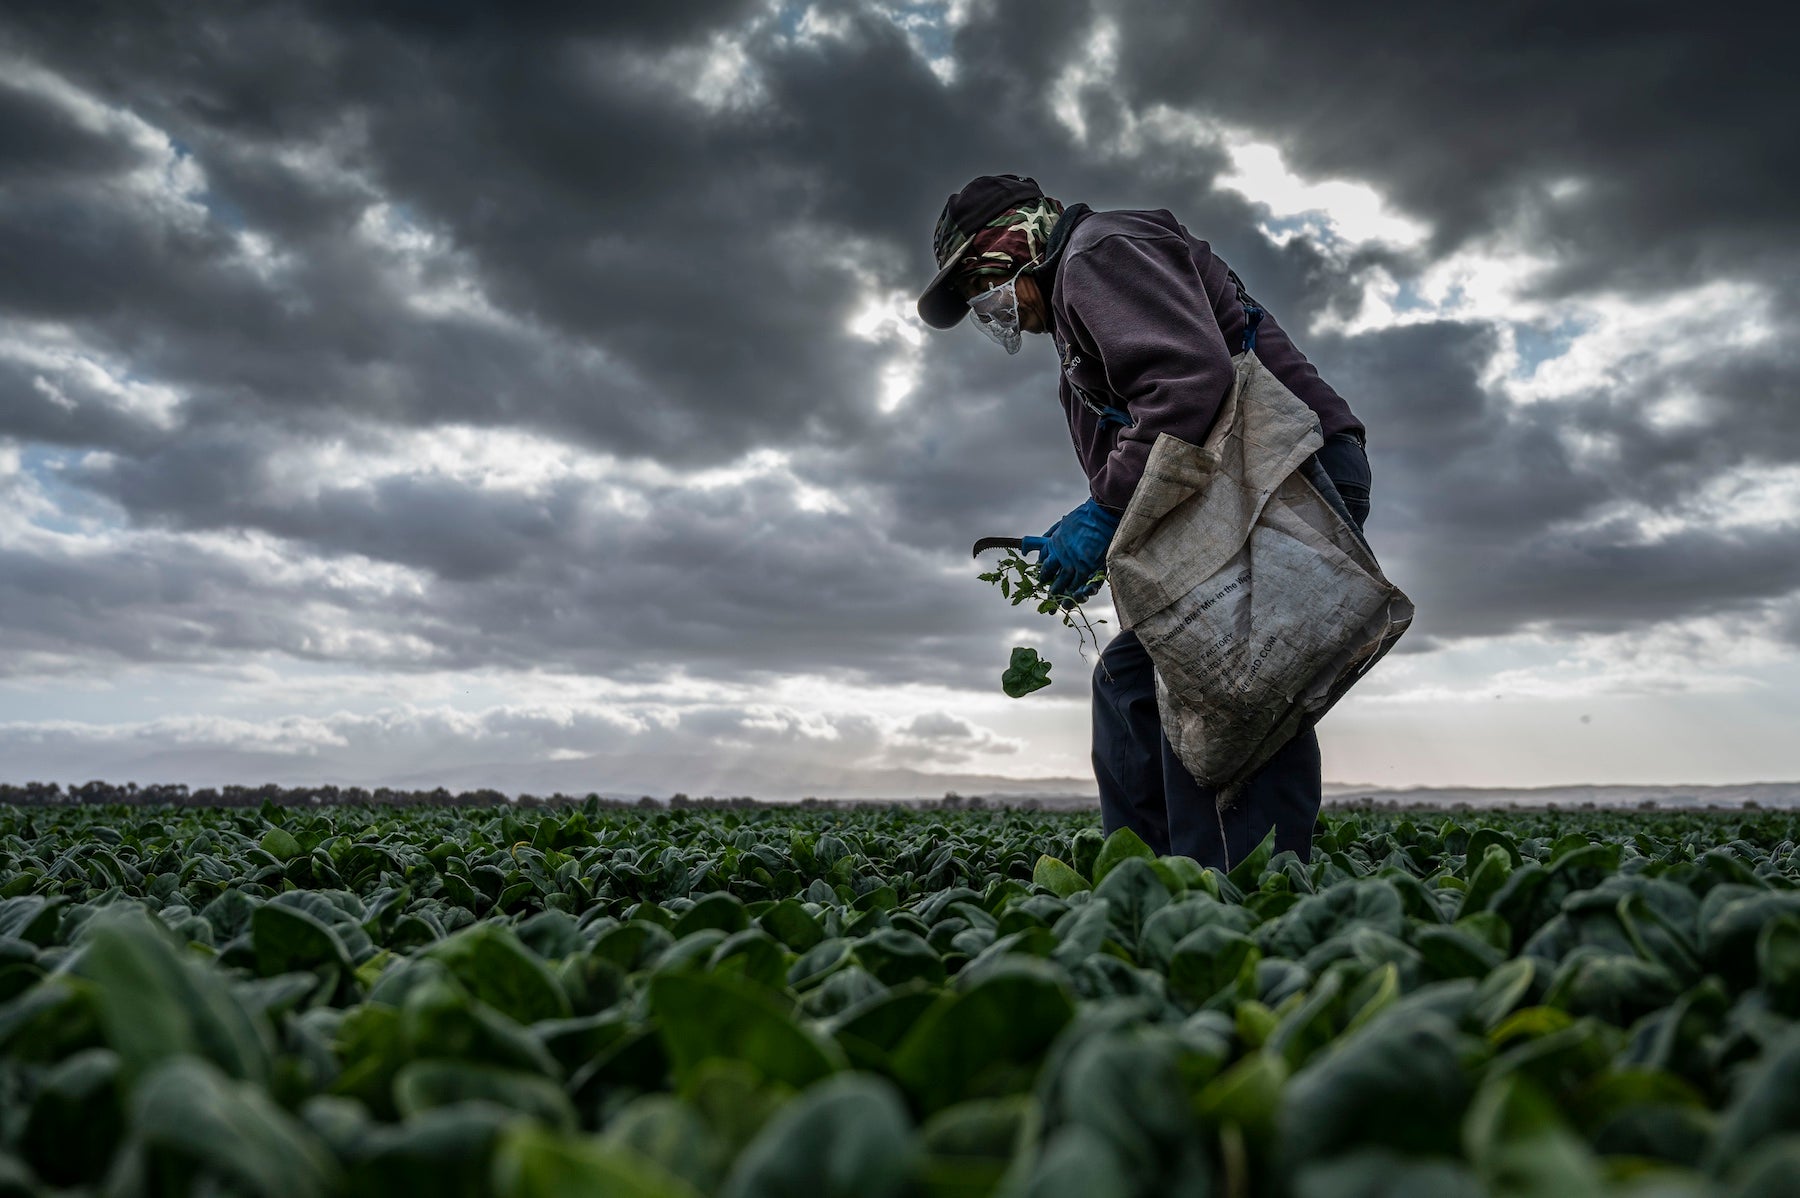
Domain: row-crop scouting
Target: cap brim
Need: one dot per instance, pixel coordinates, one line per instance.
(939, 304)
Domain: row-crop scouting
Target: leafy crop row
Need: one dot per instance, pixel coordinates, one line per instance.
(379, 1001)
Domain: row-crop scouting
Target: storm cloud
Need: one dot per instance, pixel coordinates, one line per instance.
(391, 340)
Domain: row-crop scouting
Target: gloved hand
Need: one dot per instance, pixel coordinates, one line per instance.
(1077, 550)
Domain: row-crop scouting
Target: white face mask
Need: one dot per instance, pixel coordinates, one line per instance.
(996, 313)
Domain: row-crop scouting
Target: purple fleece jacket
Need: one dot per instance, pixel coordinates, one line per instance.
(1145, 320)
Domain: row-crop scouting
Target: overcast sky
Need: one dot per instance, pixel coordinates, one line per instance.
(402, 392)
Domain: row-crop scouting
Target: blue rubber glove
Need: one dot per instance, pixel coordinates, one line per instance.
(1077, 550)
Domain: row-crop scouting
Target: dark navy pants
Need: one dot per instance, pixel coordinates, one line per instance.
(1144, 786)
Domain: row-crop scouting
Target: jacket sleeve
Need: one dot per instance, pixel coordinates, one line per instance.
(1141, 304)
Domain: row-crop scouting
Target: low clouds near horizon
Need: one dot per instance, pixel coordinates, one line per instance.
(390, 388)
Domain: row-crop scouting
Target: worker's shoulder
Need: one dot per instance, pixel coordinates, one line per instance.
(1148, 224)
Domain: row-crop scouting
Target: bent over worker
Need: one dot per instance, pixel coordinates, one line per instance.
(1145, 318)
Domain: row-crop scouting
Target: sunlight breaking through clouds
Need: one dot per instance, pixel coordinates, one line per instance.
(1095, 66)
(1326, 211)
(888, 318)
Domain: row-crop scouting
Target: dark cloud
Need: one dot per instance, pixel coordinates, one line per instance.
(735, 581)
(1674, 122)
(334, 225)
(1495, 519)
(42, 140)
(163, 600)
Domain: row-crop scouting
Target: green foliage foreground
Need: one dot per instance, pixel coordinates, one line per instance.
(370, 1001)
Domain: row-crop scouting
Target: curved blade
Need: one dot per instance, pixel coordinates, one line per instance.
(986, 543)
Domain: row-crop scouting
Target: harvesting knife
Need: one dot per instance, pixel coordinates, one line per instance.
(1022, 544)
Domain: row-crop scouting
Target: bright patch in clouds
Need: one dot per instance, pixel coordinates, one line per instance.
(1706, 656)
(517, 461)
(889, 318)
(1096, 66)
(437, 280)
(1628, 344)
(554, 732)
(1753, 498)
(71, 376)
(1326, 211)
(718, 77)
(1702, 700)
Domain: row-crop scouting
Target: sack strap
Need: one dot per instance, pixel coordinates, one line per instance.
(1253, 311)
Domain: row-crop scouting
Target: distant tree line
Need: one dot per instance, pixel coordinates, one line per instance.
(130, 794)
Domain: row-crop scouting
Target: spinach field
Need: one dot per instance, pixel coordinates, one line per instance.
(298, 1003)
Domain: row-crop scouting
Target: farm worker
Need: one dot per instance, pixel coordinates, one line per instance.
(1145, 318)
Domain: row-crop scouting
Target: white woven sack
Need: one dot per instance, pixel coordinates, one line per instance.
(1258, 601)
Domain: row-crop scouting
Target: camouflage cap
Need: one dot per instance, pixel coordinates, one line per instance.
(965, 214)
